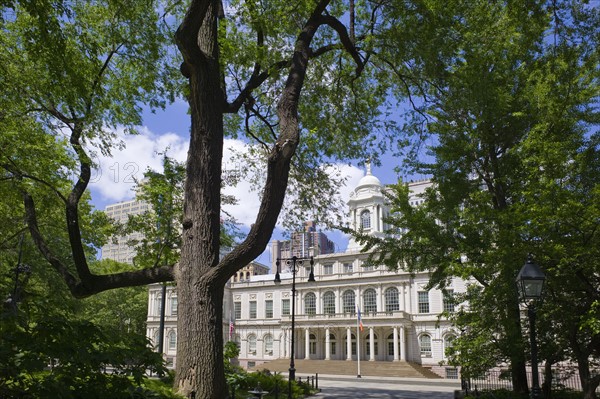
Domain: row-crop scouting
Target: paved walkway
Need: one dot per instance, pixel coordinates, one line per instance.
(385, 388)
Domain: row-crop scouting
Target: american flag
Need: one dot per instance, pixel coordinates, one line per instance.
(360, 324)
(231, 328)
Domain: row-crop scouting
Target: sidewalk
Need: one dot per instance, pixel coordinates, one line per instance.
(346, 387)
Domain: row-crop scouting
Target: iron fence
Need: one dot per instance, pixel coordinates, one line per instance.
(563, 379)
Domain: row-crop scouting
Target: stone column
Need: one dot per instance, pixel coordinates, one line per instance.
(396, 358)
(327, 345)
(402, 344)
(371, 344)
(307, 343)
(348, 344)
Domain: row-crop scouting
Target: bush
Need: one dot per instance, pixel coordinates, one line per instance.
(244, 382)
(68, 358)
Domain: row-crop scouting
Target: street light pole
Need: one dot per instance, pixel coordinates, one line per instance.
(530, 283)
(293, 261)
(536, 392)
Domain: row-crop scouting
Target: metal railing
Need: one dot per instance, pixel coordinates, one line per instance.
(563, 379)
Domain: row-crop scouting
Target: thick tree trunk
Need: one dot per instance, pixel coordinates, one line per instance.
(518, 365)
(589, 384)
(519, 376)
(200, 340)
(548, 378)
(200, 291)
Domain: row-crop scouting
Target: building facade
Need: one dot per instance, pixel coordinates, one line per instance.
(119, 248)
(399, 317)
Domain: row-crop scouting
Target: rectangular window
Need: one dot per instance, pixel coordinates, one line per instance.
(237, 310)
(368, 266)
(328, 269)
(173, 306)
(269, 309)
(452, 373)
(285, 307)
(449, 301)
(348, 268)
(423, 301)
(253, 309)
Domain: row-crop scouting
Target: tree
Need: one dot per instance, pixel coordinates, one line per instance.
(78, 69)
(512, 111)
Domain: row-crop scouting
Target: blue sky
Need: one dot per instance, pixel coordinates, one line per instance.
(113, 181)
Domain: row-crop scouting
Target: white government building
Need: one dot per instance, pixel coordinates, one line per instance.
(400, 317)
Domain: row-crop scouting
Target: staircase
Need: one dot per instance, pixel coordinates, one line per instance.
(343, 367)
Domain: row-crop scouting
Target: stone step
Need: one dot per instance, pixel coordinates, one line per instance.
(343, 367)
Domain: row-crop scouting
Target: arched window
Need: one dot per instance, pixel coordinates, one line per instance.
(312, 344)
(391, 300)
(348, 301)
(390, 342)
(268, 341)
(252, 344)
(375, 346)
(310, 303)
(365, 219)
(370, 301)
(172, 341)
(448, 341)
(329, 303)
(425, 345)
(332, 343)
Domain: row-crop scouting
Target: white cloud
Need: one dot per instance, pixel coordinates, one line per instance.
(113, 181)
(114, 178)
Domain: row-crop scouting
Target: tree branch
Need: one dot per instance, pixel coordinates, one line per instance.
(278, 164)
(345, 39)
(186, 35)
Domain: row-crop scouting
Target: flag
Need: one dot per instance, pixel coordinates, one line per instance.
(360, 324)
(231, 328)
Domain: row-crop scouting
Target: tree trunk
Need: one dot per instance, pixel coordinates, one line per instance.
(515, 334)
(548, 378)
(588, 383)
(200, 291)
(519, 376)
(200, 339)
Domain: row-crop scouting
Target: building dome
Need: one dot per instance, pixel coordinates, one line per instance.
(368, 180)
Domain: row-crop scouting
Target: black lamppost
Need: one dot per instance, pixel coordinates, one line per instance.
(293, 261)
(530, 283)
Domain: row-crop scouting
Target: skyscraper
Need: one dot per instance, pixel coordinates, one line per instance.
(117, 248)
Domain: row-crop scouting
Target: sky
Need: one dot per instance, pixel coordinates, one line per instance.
(114, 179)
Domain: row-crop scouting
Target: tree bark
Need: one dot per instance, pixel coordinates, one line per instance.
(589, 384)
(200, 314)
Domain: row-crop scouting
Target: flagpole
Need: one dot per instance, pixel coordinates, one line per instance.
(358, 343)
